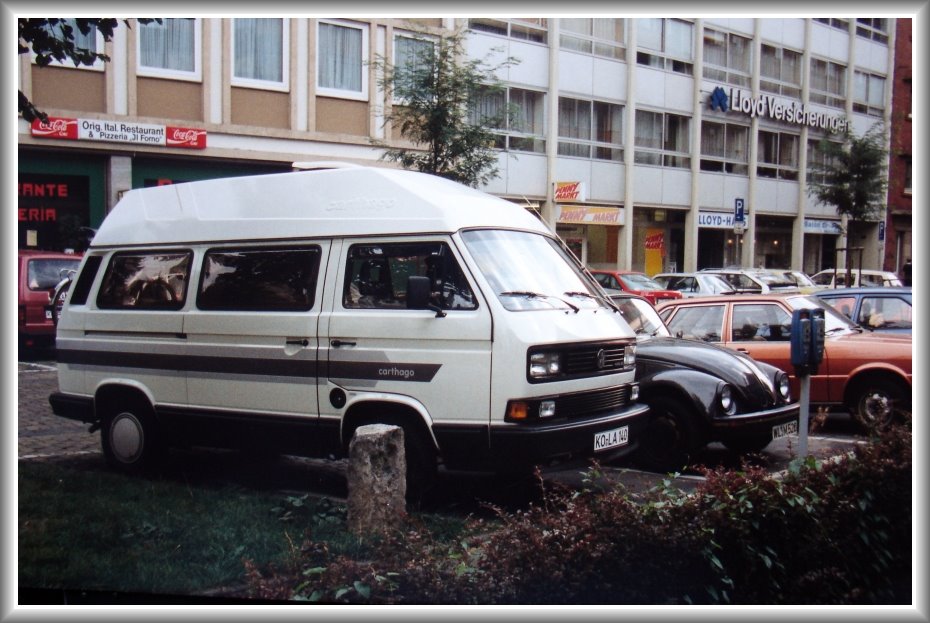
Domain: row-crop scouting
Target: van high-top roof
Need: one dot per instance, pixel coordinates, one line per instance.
(305, 204)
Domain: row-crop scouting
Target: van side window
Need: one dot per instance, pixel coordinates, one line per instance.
(85, 280)
(268, 279)
(376, 276)
(154, 280)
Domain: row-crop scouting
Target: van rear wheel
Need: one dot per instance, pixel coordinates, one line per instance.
(131, 438)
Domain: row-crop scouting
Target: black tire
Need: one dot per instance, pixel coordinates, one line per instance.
(671, 437)
(130, 436)
(875, 403)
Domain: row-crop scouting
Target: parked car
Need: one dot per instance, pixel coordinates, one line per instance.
(800, 279)
(877, 309)
(754, 280)
(700, 393)
(836, 278)
(39, 273)
(867, 373)
(635, 283)
(694, 284)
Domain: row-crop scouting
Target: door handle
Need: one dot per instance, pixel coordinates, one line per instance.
(340, 343)
(304, 342)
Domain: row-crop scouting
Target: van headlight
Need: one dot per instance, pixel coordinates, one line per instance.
(629, 356)
(545, 365)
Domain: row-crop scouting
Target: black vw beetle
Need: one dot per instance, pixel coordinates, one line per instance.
(699, 393)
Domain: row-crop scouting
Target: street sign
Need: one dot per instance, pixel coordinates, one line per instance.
(739, 210)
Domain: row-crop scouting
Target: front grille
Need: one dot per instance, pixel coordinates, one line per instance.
(584, 404)
(593, 359)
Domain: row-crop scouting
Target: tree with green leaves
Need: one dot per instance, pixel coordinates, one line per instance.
(852, 176)
(447, 106)
(55, 39)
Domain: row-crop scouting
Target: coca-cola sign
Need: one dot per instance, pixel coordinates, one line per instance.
(120, 132)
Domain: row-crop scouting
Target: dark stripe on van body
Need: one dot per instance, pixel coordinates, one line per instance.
(366, 370)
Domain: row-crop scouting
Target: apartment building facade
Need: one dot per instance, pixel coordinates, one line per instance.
(640, 140)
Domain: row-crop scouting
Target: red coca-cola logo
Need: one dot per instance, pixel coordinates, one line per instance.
(186, 137)
(56, 127)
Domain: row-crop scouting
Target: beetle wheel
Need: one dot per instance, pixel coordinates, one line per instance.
(670, 439)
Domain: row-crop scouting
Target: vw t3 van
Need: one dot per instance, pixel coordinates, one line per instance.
(284, 311)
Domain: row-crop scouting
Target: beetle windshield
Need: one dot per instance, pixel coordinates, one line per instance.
(530, 271)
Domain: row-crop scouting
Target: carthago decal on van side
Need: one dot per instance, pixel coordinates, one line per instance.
(362, 370)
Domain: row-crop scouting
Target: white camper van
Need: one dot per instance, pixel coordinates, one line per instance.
(283, 311)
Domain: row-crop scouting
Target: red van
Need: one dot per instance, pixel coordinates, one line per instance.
(39, 273)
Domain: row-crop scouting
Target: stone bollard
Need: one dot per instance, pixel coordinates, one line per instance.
(376, 479)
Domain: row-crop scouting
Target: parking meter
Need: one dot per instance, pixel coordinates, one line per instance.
(818, 334)
(801, 341)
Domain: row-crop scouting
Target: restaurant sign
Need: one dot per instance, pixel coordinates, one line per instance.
(120, 132)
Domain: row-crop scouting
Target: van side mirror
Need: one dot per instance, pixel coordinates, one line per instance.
(418, 295)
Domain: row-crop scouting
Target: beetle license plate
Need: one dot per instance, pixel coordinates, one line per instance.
(611, 438)
(783, 430)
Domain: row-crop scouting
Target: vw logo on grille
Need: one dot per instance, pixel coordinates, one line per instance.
(601, 359)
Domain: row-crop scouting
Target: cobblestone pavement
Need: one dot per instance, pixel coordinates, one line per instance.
(43, 434)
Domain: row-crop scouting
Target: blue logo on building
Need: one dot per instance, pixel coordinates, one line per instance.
(719, 99)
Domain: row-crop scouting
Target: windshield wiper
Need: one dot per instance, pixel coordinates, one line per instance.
(537, 295)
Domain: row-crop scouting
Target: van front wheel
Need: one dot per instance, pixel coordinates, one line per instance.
(130, 438)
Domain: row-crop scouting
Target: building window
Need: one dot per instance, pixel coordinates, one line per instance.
(868, 93)
(724, 147)
(828, 83)
(590, 129)
(518, 117)
(780, 71)
(526, 28)
(598, 36)
(92, 42)
(778, 155)
(662, 139)
(170, 48)
(666, 44)
(907, 176)
(727, 57)
(817, 162)
(833, 22)
(341, 53)
(259, 51)
(412, 56)
(874, 28)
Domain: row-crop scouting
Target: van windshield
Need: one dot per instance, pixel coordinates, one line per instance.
(531, 272)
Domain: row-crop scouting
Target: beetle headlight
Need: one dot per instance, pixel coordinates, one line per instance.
(783, 387)
(726, 401)
(544, 365)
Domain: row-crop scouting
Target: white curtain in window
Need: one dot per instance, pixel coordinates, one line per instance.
(259, 48)
(610, 29)
(791, 67)
(712, 139)
(679, 39)
(487, 107)
(768, 147)
(715, 48)
(737, 143)
(579, 25)
(649, 33)
(648, 131)
(608, 123)
(529, 111)
(412, 54)
(788, 150)
(340, 57)
(168, 45)
(740, 56)
(677, 133)
(574, 118)
(770, 66)
(876, 92)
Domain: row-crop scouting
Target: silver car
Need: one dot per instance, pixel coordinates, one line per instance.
(694, 284)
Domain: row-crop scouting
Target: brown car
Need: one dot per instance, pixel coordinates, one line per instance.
(867, 373)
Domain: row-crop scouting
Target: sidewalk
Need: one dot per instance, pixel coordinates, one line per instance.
(41, 433)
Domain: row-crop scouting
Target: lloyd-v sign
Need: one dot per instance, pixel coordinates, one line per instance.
(773, 108)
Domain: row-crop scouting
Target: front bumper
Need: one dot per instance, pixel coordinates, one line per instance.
(756, 423)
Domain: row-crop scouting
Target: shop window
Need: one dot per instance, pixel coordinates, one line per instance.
(516, 115)
(597, 36)
(170, 48)
(724, 147)
(590, 129)
(778, 155)
(662, 139)
(828, 83)
(527, 29)
(342, 50)
(780, 71)
(727, 57)
(665, 44)
(259, 52)
(868, 93)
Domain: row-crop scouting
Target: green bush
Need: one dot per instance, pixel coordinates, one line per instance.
(824, 533)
